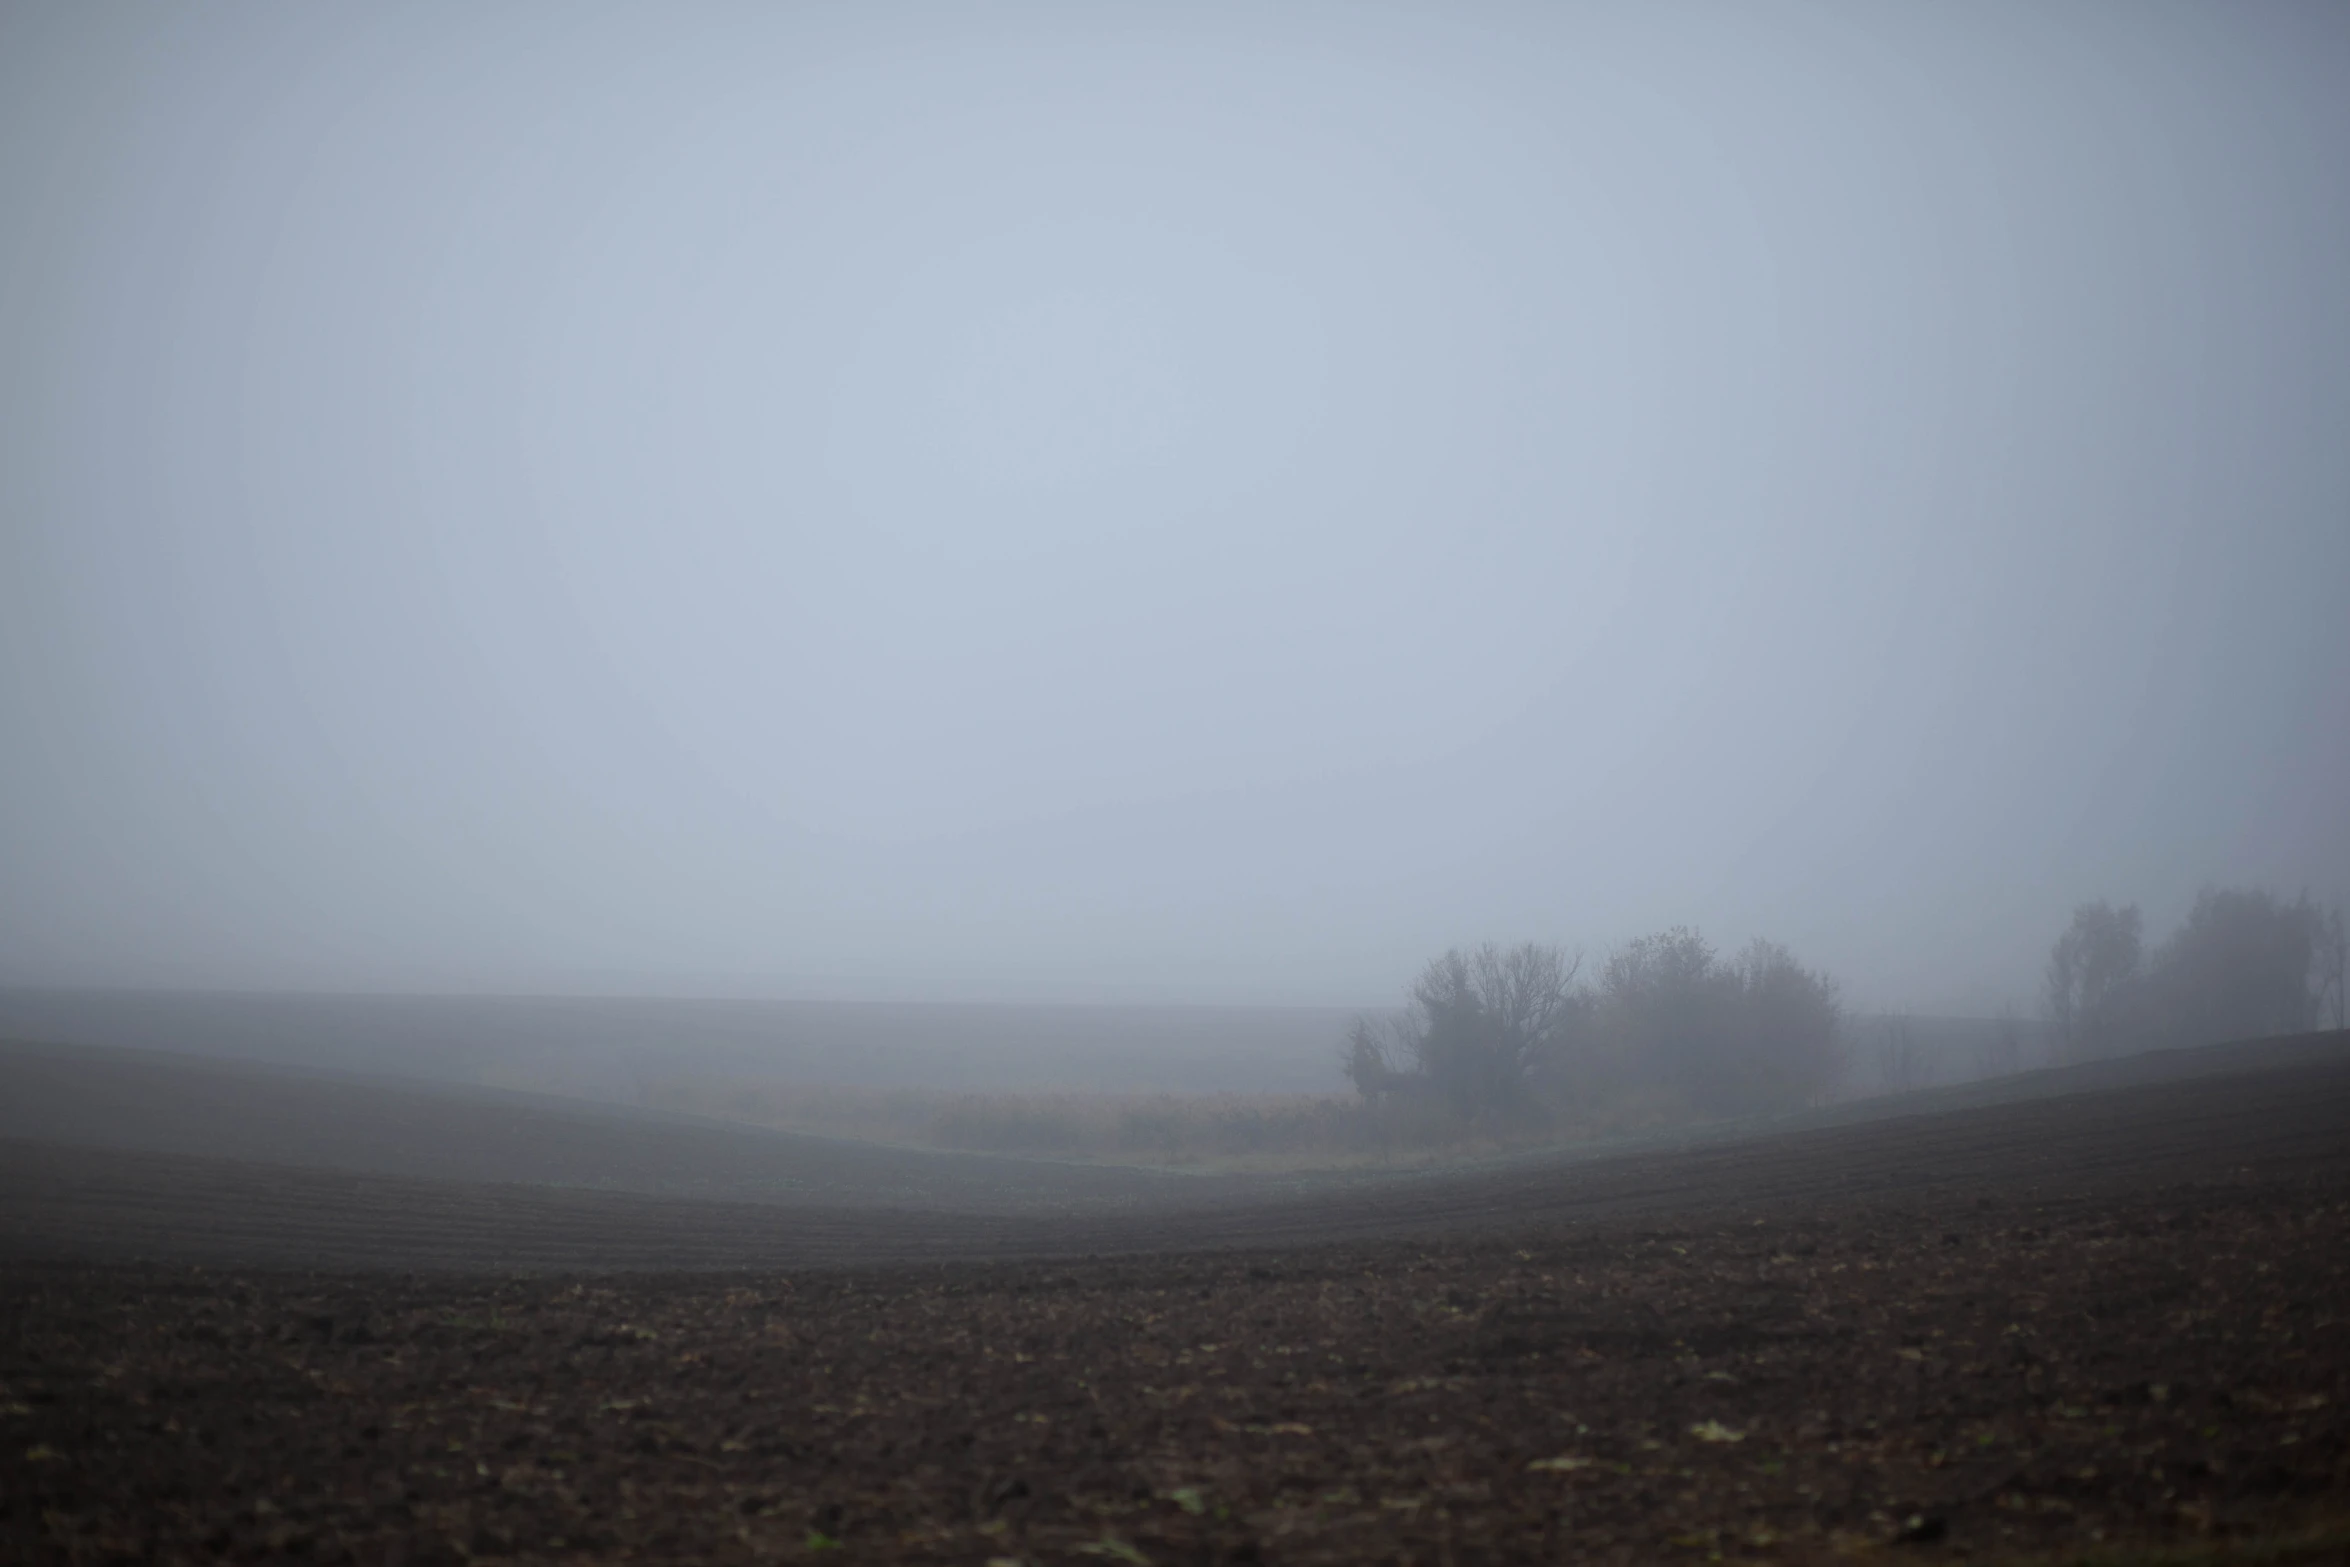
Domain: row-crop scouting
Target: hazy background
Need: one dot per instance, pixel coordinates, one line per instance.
(1159, 503)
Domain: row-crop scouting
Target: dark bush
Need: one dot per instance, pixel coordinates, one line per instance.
(1784, 1021)
(1478, 1027)
(1753, 1036)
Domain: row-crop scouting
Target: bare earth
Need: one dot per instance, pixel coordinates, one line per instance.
(2104, 1319)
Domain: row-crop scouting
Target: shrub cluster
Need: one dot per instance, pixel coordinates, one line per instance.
(1670, 1030)
(2244, 965)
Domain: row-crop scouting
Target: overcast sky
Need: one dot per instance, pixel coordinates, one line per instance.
(1160, 501)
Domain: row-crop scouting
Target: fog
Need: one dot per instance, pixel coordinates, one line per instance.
(1159, 504)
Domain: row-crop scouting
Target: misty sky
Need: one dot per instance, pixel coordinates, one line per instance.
(1168, 502)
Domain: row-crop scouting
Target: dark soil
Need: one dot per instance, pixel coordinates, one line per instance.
(2110, 1324)
(1981, 1378)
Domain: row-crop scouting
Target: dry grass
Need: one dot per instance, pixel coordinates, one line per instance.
(1202, 1132)
(1186, 1131)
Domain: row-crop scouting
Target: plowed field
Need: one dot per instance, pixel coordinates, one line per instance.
(2094, 1322)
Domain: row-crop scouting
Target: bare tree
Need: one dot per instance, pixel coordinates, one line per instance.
(1479, 1025)
(1506, 1033)
(2091, 971)
(1785, 1028)
(1668, 1002)
(2246, 964)
(1758, 1034)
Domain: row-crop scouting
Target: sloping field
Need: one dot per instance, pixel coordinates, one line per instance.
(141, 1101)
(2101, 1327)
(2099, 1323)
(541, 1186)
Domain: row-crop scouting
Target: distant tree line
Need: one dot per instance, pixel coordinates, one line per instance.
(2244, 965)
(1514, 1037)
